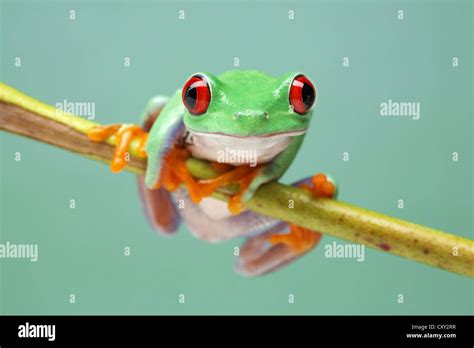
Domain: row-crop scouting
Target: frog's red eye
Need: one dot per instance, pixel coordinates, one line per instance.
(302, 94)
(196, 95)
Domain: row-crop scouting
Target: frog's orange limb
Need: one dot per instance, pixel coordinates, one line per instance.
(221, 167)
(235, 202)
(322, 187)
(124, 135)
(301, 239)
(242, 175)
(100, 133)
(306, 187)
(174, 172)
(229, 177)
(168, 179)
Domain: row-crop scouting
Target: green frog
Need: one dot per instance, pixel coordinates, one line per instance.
(261, 122)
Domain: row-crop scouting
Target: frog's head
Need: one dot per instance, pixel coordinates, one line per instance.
(248, 103)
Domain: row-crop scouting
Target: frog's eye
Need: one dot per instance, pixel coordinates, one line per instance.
(302, 94)
(196, 95)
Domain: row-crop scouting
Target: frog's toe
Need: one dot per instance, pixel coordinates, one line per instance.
(100, 133)
(299, 239)
(247, 187)
(323, 186)
(174, 172)
(241, 175)
(124, 135)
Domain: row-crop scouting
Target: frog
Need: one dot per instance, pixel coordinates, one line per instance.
(261, 121)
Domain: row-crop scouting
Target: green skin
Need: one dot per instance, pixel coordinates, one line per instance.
(263, 105)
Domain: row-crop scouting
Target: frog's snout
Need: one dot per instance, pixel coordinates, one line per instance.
(251, 113)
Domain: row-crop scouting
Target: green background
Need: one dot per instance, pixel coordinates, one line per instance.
(81, 250)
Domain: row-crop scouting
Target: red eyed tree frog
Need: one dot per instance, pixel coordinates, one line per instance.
(264, 119)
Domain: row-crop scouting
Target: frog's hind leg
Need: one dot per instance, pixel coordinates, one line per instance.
(259, 256)
(211, 221)
(159, 208)
(284, 242)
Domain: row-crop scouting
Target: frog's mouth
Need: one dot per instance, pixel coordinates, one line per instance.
(238, 150)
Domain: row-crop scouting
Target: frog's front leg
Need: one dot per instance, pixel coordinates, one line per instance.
(125, 134)
(301, 239)
(284, 242)
(242, 175)
(174, 172)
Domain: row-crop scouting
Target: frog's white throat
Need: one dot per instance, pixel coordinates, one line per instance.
(237, 150)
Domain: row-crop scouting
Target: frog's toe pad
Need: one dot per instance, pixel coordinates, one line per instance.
(321, 186)
(124, 134)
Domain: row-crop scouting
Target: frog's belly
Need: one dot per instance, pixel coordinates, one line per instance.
(216, 227)
(238, 150)
(214, 208)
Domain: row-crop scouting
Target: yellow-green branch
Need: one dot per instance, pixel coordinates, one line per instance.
(23, 115)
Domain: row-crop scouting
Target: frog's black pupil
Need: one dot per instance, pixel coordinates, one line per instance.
(308, 95)
(190, 97)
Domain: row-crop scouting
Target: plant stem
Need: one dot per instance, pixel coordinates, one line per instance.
(23, 115)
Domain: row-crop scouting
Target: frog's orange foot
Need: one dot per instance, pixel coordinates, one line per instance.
(321, 186)
(221, 167)
(174, 172)
(124, 134)
(242, 175)
(299, 240)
